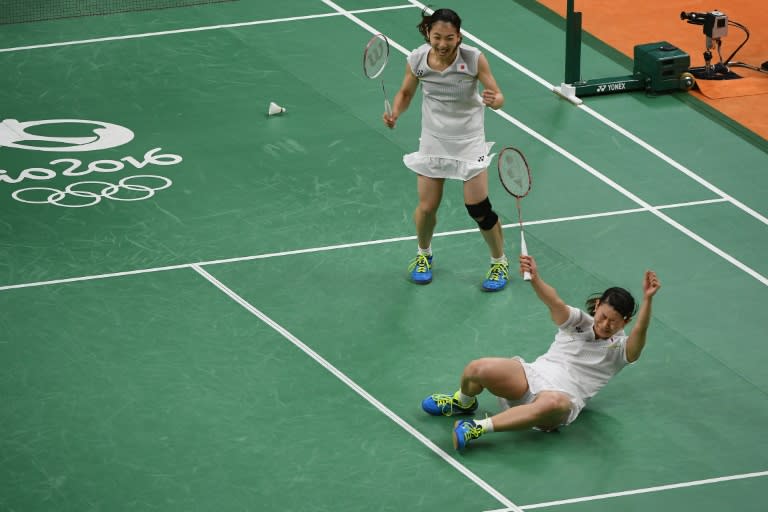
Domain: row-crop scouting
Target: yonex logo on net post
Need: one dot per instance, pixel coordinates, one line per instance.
(97, 135)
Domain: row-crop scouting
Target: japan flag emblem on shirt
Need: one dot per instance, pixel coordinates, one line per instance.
(462, 67)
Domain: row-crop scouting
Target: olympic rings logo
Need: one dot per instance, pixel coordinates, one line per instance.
(89, 193)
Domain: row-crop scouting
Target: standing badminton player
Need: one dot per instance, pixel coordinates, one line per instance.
(589, 349)
(452, 143)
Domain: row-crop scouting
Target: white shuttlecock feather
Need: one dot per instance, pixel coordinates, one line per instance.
(275, 109)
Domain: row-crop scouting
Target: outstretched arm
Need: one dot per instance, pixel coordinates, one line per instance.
(558, 309)
(403, 97)
(636, 340)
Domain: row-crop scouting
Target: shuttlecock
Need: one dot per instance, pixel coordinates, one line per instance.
(275, 109)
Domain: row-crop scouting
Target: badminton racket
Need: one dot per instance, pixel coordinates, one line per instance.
(515, 176)
(375, 60)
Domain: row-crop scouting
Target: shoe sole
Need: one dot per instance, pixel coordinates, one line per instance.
(453, 412)
(456, 437)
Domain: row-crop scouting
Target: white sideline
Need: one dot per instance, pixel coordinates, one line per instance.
(713, 248)
(359, 390)
(339, 246)
(637, 140)
(639, 491)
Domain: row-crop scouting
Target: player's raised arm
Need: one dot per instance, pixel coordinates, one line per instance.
(558, 309)
(636, 341)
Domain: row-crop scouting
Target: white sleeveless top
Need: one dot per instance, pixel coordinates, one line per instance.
(452, 107)
(452, 143)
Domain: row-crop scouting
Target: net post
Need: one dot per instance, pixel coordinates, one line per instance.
(572, 45)
(572, 55)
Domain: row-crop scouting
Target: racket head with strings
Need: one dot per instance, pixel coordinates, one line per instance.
(514, 172)
(515, 177)
(375, 56)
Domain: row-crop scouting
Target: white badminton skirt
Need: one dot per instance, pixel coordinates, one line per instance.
(460, 159)
(543, 377)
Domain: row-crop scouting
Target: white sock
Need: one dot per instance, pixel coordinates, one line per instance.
(502, 259)
(487, 424)
(427, 251)
(464, 400)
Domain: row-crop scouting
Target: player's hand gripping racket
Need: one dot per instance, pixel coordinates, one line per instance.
(375, 60)
(515, 176)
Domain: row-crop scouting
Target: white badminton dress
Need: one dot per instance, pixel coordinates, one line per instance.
(452, 143)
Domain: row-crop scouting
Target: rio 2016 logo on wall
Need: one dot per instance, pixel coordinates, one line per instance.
(93, 136)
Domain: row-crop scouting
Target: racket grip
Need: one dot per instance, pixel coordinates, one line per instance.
(387, 107)
(524, 252)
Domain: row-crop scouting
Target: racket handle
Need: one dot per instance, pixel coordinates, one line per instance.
(387, 107)
(524, 252)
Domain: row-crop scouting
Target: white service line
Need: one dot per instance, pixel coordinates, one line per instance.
(479, 42)
(655, 211)
(351, 16)
(639, 491)
(634, 138)
(359, 390)
(197, 29)
(457, 232)
(677, 165)
(92, 277)
(342, 246)
(735, 262)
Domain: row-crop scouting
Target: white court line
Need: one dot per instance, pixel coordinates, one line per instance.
(461, 232)
(594, 172)
(341, 376)
(637, 140)
(479, 42)
(359, 390)
(639, 491)
(342, 246)
(198, 29)
(349, 14)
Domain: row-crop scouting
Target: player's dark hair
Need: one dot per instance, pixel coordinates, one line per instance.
(446, 15)
(618, 298)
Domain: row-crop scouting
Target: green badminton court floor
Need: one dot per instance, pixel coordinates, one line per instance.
(207, 308)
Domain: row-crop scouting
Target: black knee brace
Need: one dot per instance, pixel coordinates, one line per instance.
(483, 214)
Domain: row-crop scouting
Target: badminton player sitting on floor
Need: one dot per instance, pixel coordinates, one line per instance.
(452, 143)
(589, 349)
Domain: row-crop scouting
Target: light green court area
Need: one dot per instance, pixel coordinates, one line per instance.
(157, 390)
(132, 382)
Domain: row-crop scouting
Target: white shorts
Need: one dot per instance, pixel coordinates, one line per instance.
(459, 159)
(538, 382)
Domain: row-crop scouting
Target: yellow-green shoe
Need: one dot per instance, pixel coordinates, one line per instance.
(497, 277)
(465, 431)
(446, 405)
(421, 269)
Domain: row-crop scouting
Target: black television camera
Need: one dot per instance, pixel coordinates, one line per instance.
(715, 26)
(715, 22)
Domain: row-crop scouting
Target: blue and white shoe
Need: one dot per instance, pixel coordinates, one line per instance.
(465, 431)
(421, 269)
(446, 405)
(497, 277)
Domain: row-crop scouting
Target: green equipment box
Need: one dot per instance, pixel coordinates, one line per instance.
(659, 67)
(662, 63)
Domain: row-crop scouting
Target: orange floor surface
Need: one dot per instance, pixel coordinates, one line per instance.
(622, 24)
